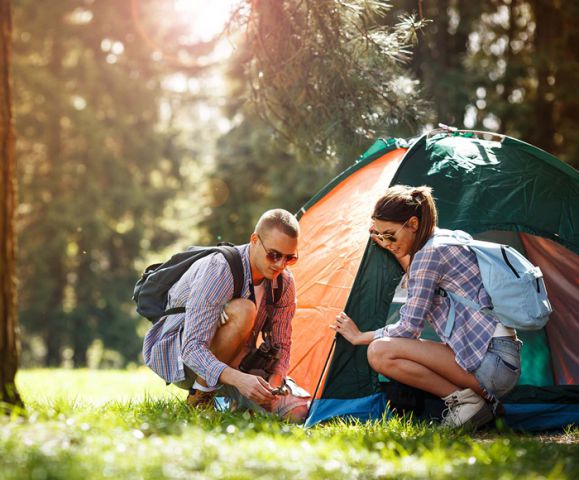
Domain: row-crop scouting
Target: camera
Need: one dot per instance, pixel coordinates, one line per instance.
(261, 361)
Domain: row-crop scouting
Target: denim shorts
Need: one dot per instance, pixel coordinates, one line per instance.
(500, 368)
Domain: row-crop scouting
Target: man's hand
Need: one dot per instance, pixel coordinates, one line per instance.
(278, 384)
(255, 388)
(275, 380)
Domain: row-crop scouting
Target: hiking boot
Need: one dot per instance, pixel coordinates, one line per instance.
(465, 407)
(199, 399)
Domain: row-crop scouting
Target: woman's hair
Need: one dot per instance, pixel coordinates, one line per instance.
(402, 202)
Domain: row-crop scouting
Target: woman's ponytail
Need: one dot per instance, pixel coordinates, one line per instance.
(428, 217)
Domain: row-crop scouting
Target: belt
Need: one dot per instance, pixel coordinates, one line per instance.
(510, 337)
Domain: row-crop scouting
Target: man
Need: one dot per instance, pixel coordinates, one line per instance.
(201, 349)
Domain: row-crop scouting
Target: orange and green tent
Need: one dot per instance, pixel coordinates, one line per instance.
(494, 187)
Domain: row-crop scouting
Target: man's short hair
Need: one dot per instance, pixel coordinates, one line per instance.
(281, 219)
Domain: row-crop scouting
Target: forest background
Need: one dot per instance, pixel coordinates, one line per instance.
(144, 126)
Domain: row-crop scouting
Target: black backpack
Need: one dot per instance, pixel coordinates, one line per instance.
(151, 290)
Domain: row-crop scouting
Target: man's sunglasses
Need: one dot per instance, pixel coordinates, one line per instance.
(387, 238)
(274, 256)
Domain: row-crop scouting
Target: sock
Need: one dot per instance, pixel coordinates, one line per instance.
(203, 388)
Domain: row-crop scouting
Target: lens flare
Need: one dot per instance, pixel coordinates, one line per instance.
(204, 20)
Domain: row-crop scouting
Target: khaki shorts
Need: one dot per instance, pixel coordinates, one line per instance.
(190, 377)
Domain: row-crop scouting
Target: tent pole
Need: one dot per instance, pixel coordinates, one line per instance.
(322, 375)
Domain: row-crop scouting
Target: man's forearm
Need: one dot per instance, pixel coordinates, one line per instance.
(204, 363)
(231, 376)
(250, 386)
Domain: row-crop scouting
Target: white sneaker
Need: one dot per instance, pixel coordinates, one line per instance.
(466, 407)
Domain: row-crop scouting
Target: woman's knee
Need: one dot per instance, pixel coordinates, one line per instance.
(379, 354)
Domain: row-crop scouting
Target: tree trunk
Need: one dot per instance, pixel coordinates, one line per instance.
(567, 148)
(82, 333)
(506, 121)
(439, 56)
(8, 318)
(548, 31)
(53, 335)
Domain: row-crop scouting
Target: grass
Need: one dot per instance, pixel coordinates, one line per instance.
(127, 425)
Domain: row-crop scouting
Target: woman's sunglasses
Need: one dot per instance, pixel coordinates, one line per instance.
(385, 237)
(274, 256)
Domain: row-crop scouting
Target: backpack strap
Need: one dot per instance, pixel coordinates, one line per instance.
(233, 258)
(453, 298)
(271, 301)
(173, 311)
(457, 238)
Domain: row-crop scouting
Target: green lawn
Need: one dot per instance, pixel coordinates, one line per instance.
(126, 424)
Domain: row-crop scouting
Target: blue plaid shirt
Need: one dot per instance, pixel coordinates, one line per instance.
(184, 339)
(453, 268)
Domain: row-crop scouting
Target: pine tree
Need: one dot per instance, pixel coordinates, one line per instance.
(505, 66)
(311, 86)
(8, 314)
(100, 167)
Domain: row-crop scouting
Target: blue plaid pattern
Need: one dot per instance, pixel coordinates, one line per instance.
(452, 268)
(184, 339)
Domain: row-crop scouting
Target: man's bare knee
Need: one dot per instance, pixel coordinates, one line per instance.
(241, 313)
(228, 340)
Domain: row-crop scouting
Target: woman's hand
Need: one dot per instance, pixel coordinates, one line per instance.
(346, 327)
(380, 243)
(403, 260)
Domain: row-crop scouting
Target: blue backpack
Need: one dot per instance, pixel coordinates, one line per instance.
(515, 285)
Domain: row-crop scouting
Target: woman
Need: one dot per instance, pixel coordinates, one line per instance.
(479, 362)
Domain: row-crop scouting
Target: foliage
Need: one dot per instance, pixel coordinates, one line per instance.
(107, 147)
(506, 66)
(327, 76)
(161, 438)
(97, 167)
(254, 170)
(311, 85)
(253, 173)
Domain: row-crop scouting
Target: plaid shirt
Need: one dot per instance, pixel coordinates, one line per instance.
(453, 268)
(184, 339)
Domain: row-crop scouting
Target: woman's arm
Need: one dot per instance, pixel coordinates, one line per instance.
(346, 327)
